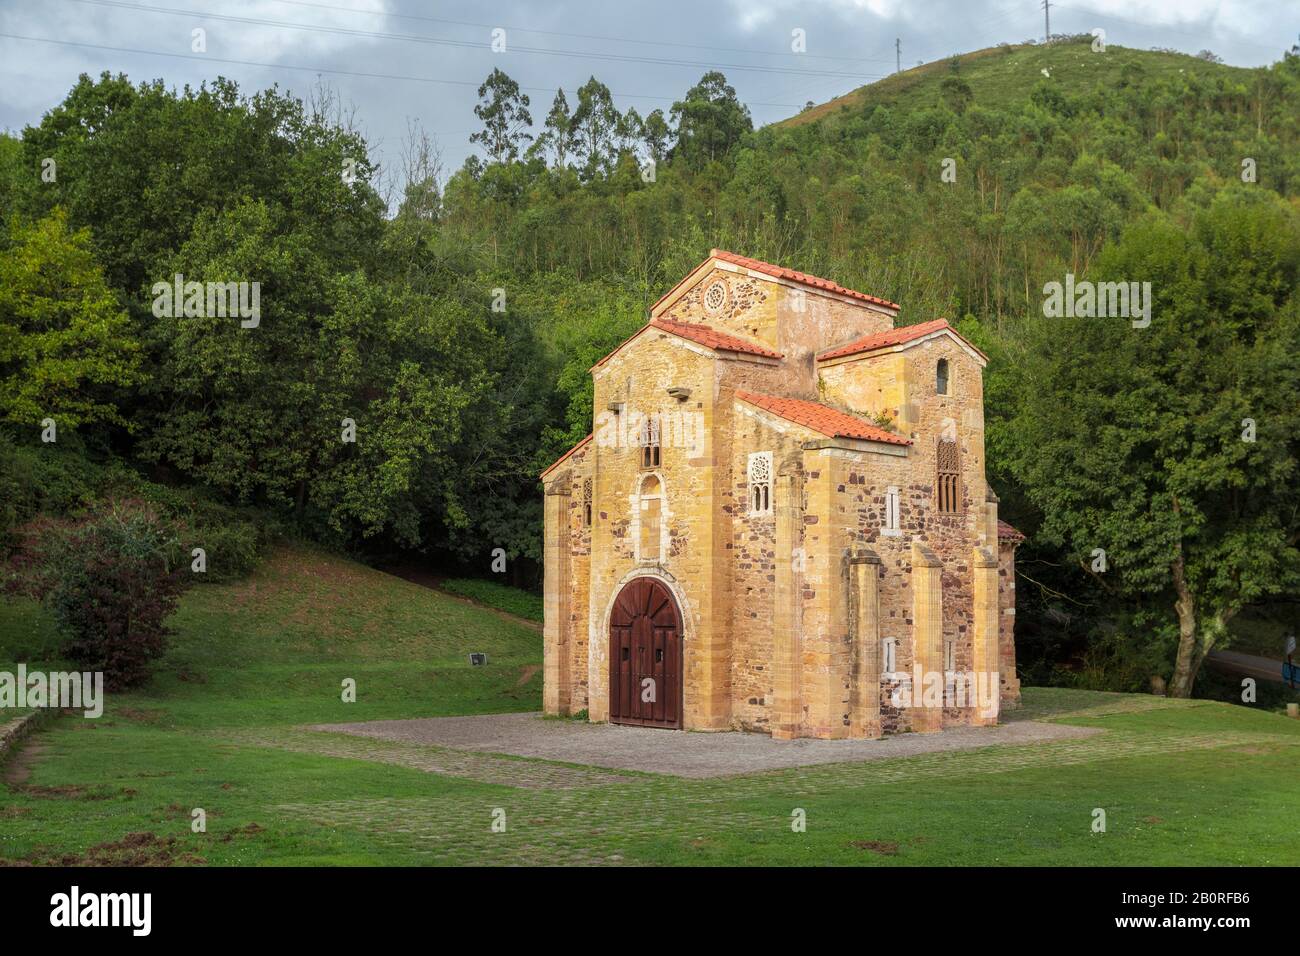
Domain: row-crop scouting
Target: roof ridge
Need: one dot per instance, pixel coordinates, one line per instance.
(895, 336)
(777, 272)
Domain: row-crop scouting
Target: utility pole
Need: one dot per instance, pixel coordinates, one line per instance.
(1047, 21)
(898, 54)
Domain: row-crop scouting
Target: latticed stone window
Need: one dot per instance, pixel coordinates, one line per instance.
(715, 297)
(760, 483)
(650, 442)
(948, 478)
(586, 502)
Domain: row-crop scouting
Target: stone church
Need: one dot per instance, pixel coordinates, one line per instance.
(780, 521)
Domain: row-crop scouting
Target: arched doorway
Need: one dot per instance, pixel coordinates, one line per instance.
(645, 656)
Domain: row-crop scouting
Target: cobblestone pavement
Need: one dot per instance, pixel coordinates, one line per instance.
(673, 752)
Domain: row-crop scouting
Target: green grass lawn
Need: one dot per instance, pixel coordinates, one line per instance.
(515, 601)
(1181, 782)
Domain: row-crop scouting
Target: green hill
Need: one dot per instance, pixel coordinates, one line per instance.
(1001, 76)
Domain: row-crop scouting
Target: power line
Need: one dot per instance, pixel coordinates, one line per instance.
(578, 36)
(320, 69)
(469, 44)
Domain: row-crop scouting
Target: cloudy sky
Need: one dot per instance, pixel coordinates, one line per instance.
(397, 61)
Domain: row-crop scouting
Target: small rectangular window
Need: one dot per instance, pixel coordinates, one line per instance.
(889, 661)
(891, 523)
(950, 656)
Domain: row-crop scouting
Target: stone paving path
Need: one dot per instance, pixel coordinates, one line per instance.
(674, 752)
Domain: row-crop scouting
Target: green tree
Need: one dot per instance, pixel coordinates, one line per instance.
(710, 120)
(556, 139)
(656, 133)
(65, 341)
(503, 110)
(594, 124)
(1173, 448)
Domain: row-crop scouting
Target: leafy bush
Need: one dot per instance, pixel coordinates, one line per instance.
(59, 481)
(111, 580)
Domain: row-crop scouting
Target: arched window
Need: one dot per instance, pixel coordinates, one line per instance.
(760, 483)
(650, 442)
(941, 377)
(649, 504)
(586, 503)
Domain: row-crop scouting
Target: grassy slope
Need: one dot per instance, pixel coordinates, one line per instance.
(515, 601)
(999, 76)
(255, 657)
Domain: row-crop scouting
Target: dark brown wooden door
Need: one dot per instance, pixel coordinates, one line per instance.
(645, 657)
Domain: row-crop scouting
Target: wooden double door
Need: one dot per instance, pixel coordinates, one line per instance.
(645, 657)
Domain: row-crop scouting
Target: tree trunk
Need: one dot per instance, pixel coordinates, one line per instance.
(1188, 661)
(1195, 638)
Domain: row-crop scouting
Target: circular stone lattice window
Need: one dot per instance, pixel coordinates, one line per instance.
(715, 297)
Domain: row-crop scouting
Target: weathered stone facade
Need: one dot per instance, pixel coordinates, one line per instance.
(807, 483)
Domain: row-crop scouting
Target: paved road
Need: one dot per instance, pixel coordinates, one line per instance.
(1249, 665)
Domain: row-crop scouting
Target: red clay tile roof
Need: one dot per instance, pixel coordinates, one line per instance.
(712, 338)
(563, 457)
(881, 340)
(802, 278)
(1006, 532)
(703, 334)
(822, 418)
(780, 272)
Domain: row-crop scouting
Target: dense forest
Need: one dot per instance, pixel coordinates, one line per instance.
(423, 335)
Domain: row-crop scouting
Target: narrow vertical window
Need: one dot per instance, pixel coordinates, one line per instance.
(949, 656)
(891, 526)
(586, 503)
(888, 657)
(650, 442)
(941, 377)
(760, 483)
(947, 478)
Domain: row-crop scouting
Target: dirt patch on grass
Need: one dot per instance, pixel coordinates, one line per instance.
(18, 770)
(134, 849)
(250, 829)
(527, 673)
(143, 715)
(67, 791)
(882, 847)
